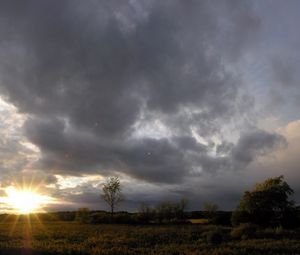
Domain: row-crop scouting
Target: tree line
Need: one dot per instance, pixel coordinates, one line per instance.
(267, 204)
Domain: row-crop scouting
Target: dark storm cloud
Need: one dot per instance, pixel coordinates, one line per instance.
(73, 153)
(87, 72)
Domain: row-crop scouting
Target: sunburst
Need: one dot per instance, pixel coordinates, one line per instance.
(25, 200)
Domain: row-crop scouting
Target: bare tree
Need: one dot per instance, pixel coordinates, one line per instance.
(112, 194)
(210, 210)
(210, 207)
(182, 207)
(146, 213)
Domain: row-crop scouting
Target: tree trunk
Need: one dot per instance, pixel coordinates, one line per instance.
(111, 214)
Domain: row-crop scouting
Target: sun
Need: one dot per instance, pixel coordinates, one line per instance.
(25, 201)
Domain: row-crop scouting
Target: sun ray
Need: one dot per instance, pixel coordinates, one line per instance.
(14, 223)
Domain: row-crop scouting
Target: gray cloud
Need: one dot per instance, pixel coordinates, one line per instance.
(277, 58)
(150, 90)
(87, 73)
(285, 72)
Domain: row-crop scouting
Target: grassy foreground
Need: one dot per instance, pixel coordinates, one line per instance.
(74, 238)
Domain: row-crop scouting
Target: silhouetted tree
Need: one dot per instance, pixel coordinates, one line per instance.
(112, 194)
(267, 204)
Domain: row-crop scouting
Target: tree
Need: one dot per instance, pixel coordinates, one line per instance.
(171, 212)
(210, 207)
(112, 194)
(182, 207)
(165, 211)
(83, 215)
(210, 211)
(145, 213)
(267, 204)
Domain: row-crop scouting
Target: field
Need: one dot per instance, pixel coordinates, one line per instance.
(198, 221)
(75, 238)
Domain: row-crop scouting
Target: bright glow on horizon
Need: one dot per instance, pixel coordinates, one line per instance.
(24, 201)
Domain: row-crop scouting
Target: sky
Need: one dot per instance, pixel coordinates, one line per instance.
(195, 99)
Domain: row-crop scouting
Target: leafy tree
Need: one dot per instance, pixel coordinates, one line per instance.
(267, 204)
(112, 193)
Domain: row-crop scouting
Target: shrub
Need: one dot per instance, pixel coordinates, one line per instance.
(291, 218)
(213, 236)
(100, 218)
(239, 217)
(276, 233)
(221, 218)
(244, 231)
(123, 218)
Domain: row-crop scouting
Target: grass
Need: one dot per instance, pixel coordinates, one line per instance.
(74, 238)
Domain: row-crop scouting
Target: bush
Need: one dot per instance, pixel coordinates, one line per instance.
(213, 236)
(100, 218)
(276, 233)
(244, 231)
(119, 218)
(221, 218)
(123, 218)
(291, 218)
(240, 217)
